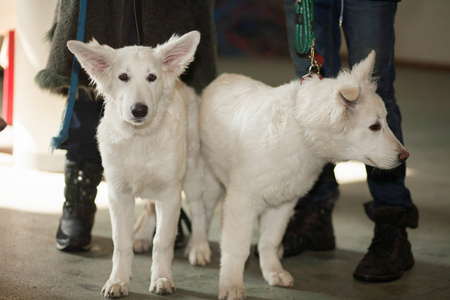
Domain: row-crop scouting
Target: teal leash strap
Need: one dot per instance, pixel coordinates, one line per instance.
(63, 134)
(304, 26)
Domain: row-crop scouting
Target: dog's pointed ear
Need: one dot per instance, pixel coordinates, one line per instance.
(178, 52)
(350, 94)
(363, 70)
(93, 57)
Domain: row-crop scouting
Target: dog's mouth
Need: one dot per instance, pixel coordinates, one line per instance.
(371, 162)
(136, 121)
(389, 166)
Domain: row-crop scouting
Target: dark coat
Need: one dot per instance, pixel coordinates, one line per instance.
(114, 23)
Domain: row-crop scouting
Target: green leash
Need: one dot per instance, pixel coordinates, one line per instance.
(304, 26)
(305, 38)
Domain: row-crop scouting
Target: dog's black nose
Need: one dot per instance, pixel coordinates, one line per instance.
(139, 110)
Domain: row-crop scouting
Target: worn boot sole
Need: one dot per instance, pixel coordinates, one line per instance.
(326, 244)
(382, 278)
(297, 251)
(74, 240)
(73, 248)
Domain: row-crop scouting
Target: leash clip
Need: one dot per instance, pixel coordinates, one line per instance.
(314, 68)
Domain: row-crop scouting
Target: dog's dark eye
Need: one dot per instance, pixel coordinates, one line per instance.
(375, 127)
(151, 77)
(124, 77)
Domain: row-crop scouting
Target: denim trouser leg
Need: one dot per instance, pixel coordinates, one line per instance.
(367, 25)
(82, 145)
(375, 30)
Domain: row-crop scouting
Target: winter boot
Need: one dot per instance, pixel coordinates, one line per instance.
(390, 253)
(310, 228)
(74, 231)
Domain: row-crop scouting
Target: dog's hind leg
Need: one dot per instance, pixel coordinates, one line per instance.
(272, 226)
(202, 191)
(239, 216)
(213, 194)
(167, 213)
(143, 229)
(121, 207)
(196, 187)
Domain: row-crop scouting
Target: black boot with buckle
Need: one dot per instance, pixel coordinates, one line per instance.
(390, 252)
(74, 231)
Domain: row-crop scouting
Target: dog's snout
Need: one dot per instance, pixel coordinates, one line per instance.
(403, 156)
(139, 110)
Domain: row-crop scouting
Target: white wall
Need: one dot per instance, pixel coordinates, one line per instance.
(422, 31)
(7, 16)
(37, 114)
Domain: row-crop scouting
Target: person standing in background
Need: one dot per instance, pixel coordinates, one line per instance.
(367, 25)
(116, 23)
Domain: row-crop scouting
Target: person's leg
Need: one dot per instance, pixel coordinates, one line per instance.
(311, 226)
(375, 31)
(369, 25)
(328, 34)
(83, 173)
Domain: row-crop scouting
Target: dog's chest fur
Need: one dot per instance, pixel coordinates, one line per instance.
(144, 161)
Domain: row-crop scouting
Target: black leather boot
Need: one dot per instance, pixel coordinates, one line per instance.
(74, 231)
(390, 252)
(310, 228)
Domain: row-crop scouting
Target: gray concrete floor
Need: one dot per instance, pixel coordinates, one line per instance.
(30, 204)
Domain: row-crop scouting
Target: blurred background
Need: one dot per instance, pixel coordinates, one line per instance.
(251, 40)
(253, 29)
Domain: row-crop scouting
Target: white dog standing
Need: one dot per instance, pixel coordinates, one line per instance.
(268, 145)
(143, 143)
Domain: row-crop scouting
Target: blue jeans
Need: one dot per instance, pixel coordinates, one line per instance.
(82, 145)
(367, 25)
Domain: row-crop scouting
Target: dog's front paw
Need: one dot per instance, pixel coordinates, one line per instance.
(199, 253)
(231, 293)
(282, 278)
(162, 286)
(141, 245)
(115, 289)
